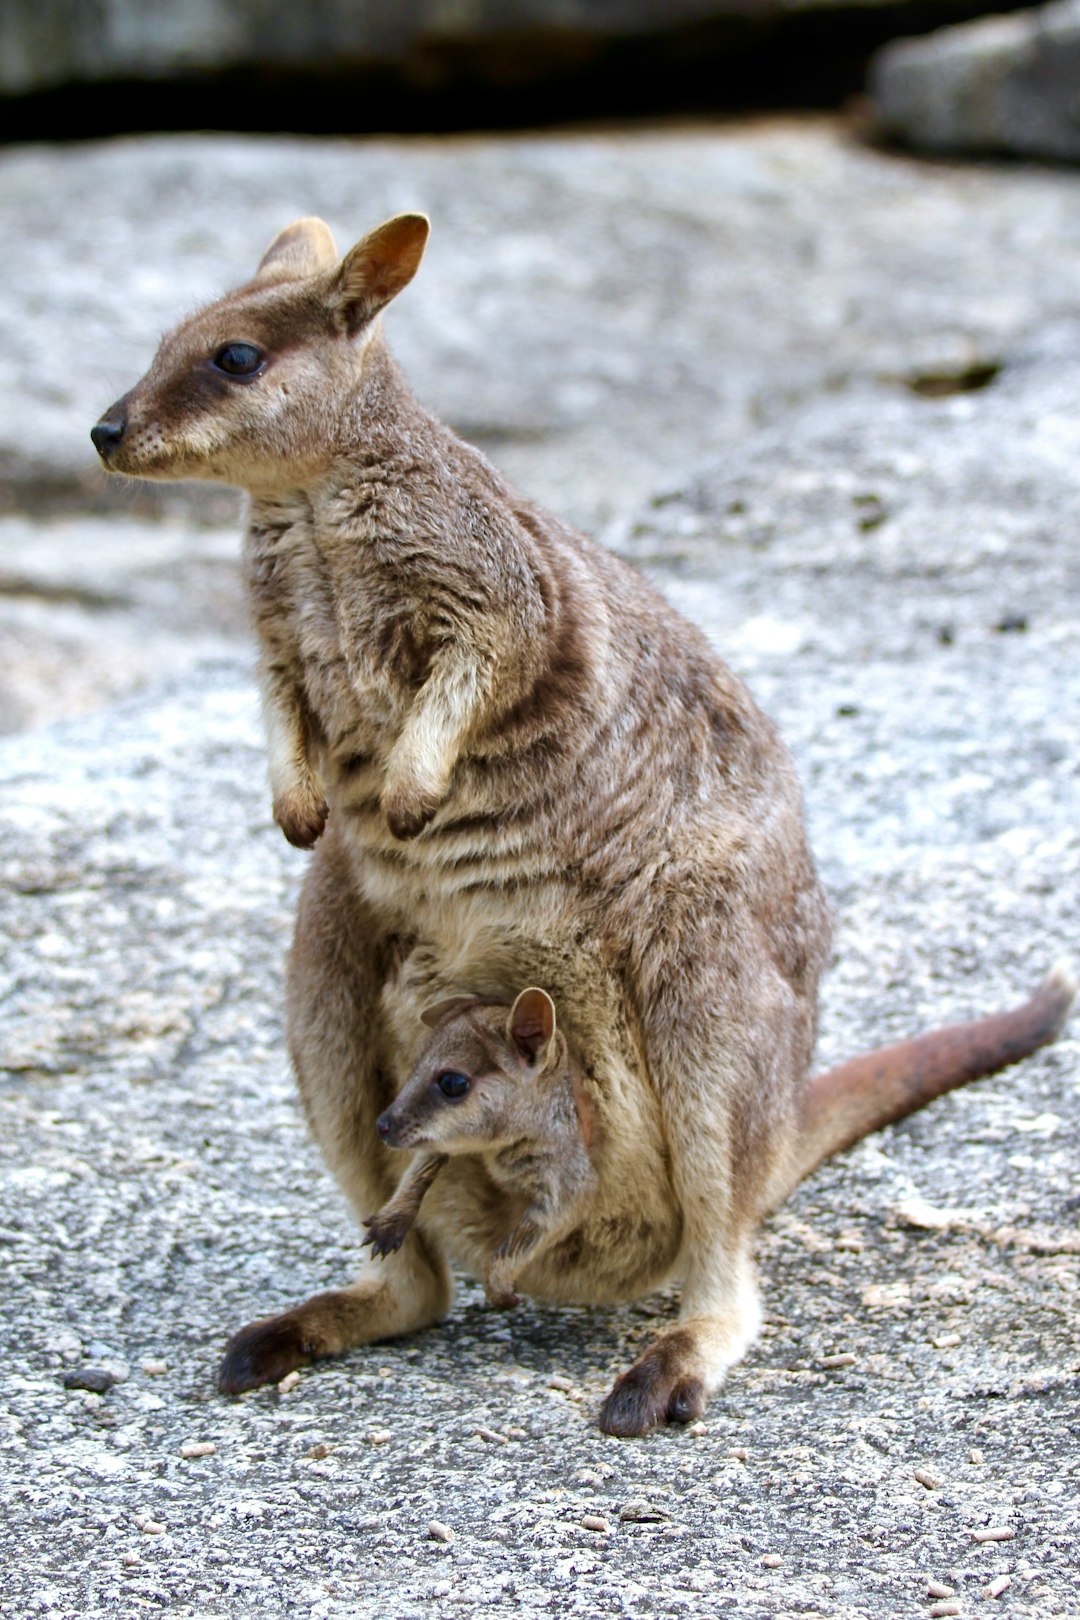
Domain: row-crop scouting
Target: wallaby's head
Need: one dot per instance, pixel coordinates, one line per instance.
(252, 390)
(475, 1081)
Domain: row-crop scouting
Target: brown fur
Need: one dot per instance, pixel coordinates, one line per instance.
(534, 771)
(520, 1114)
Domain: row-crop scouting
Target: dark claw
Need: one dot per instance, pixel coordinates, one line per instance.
(384, 1237)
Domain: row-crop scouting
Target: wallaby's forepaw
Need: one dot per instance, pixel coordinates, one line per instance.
(386, 1233)
(661, 1387)
(499, 1278)
(263, 1352)
(301, 817)
(408, 811)
(500, 1296)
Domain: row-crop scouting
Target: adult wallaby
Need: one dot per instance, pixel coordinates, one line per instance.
(518, 765)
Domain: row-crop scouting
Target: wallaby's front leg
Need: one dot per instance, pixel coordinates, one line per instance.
(422, 760)
(300, 809)
(506, 1261)
(388, 1228)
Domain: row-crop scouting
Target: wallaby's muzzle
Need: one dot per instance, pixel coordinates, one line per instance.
(108, 433)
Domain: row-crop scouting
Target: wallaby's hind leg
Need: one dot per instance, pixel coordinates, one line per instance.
(673, 1380)
(334, 990)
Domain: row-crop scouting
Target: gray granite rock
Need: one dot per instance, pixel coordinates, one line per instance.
(857, 563)
(1001, 84)
(602, 312)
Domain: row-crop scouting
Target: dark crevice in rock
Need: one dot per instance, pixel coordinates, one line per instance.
(763, 58)
(968, 379)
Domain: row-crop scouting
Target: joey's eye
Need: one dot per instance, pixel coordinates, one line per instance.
(452, 1084)
(239, 360)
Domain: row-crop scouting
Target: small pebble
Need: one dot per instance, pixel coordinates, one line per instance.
(198, 1448)
(698, 1429)
(593, 1521)
(843, 1359)
(289, 1381)
(317, 1452)
(771, 1561)
(493, 1435)
(950, 1606)
(149, 1527)
(936, 1590)
(927, 1478)
(999, 1584)
(98, 1380)
(155, 1369)
(440, 1532)
(557, 1381)
(379, 1437)
(738, 1454)
(946, 1341)
(995, 1532)
(641, 1512)
(976, 1457)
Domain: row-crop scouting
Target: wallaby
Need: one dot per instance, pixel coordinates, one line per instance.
(499, 1081)
(518, 765)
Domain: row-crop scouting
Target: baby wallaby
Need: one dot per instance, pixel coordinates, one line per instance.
(503, 1083)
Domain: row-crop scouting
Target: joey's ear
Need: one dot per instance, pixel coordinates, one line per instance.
(531, 1025)
(440, 1011)
(378, 267)
(302, 249)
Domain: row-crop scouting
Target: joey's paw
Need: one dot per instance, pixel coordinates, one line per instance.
(407, 813)
(385, 1234)
(661, 1387)
(263, 1352)
(301, 817)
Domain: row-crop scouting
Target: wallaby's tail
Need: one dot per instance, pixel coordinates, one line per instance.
(848, 1102)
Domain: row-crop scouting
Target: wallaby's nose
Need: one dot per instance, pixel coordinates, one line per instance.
(386, 1127)
(107, 434)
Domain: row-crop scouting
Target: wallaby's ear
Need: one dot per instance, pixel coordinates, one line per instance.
(378, 267)
(303, 248)
(531, 1025)
(440, 1011)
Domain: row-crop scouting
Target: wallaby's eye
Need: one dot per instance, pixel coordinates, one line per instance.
(239, 359)
(452, 1084)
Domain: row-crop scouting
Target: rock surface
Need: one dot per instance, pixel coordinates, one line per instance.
(894, 569)
(1002, 84)
(602, 313)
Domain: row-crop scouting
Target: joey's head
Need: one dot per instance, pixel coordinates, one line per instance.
(476, 1078)
(252, 390)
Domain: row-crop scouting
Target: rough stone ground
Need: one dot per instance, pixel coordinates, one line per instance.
(897, 575)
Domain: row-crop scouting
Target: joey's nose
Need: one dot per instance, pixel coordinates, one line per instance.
(107, 434)
(387, 1128)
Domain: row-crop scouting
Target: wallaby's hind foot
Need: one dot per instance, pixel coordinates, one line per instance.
(411, 1297)
(662, 1386)
(674, 1379)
